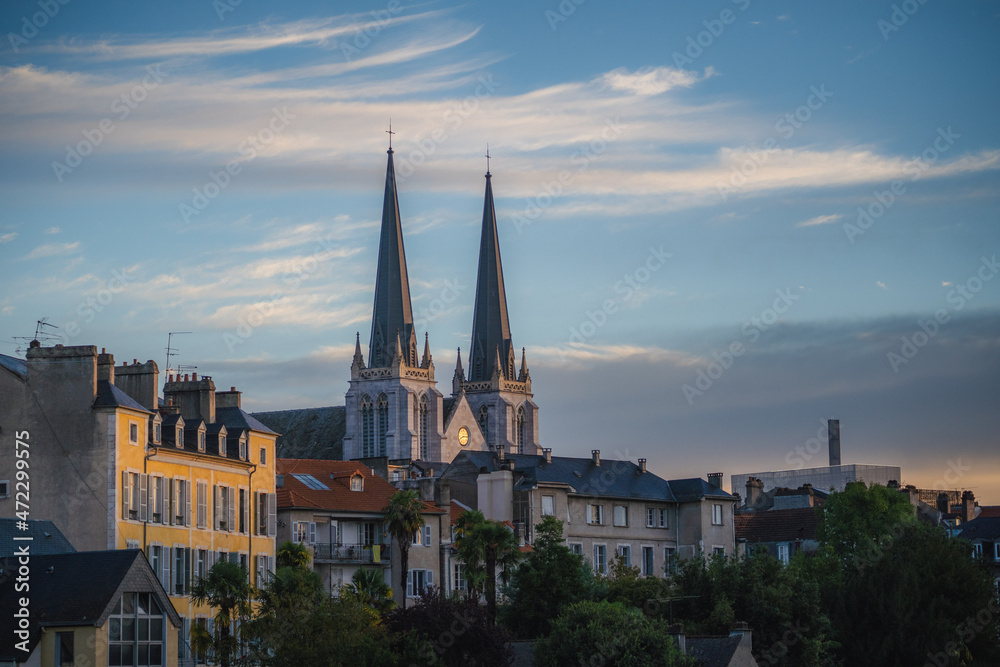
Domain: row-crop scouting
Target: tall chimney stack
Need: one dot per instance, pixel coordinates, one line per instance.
(833, 439)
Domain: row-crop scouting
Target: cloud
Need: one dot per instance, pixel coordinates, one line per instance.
(820, 220)
(7, 238)
(53, 249)
(52, 230)
(651, 81)
(881, 284)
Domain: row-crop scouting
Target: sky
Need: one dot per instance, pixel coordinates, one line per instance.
(721, 223)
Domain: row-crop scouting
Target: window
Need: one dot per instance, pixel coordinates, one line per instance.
(520, 445)
(576, 548)
(156, 499)
(64, 649)
(265, 566)
(717, 515)
(458, 582)
(135, 631)
(600, 558)
(201, 441)
(621, 515)
(244, 511)
(977, 549)
(625, 552)
(179, 437)
(484, 422)
(367, 427)
(202, 624)
(153, 554)
(668, 560)
(222, 445)
(263, 456)
(157, 427)
(783, 553)
(200, 564)
(133, 433)
(181, 512)
(243, 449)
(131, 544)
(382, 407)
(647, 567)
(417, 581)
(182, 570)
(422, 538)
(425, 450)
(548, 505)
(357, 483)
(368, 534)
(261, 513)
(650, 517)
(662, 516)
(266, 513)
(595, 514)
(299, 531)
(718, 551)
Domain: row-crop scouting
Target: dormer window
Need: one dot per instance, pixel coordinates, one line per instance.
(201, 441)
(179, 437)
(357, 483)
(243, 449)
(222, 445)
(156, 433)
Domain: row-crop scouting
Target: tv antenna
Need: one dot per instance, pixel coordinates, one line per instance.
(171, 352)
(44, 333)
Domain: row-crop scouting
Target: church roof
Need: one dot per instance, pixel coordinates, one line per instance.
(490, 326)
(310, 433)
(392, 312)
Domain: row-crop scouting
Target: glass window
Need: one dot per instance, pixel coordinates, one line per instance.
(600, 558)
(625, 551)
(133, 433)
(717, 515)
(201, 441)
(458, 581)
(576, 548)
(783, 553)
(650, 517)
(595, 514)
(548, 505)
(135, 631)
(647, 561)
(357, 483)
(64, 649)
(668, 560)
(663, 518)
(263, 456)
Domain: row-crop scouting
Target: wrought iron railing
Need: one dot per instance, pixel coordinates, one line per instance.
(351, 553)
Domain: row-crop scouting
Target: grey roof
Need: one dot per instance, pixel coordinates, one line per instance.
(713, 651)
(310, 433)
(617, 479)
(983, 528)
(234, 418)
(17, 366)
(78, 589)
(490, 326)
(392, 312)
(110, 396)
(45, 538)
(695, 488)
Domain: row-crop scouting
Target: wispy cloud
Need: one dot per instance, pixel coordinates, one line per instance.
(53, 249)
(652, 81)
(7, 238)
(820, 220)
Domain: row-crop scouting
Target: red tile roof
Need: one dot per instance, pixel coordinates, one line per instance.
(336, 476)
(457, 509)
(777, 525)
(988, 510)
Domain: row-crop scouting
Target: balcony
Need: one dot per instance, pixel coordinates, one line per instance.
(350, 553)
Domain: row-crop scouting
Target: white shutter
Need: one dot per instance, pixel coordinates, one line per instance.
(312, 532)
(165, 506)
(187, 502)
(165, 560)
(270, 565)
(143, 493)
(428, 578)
(272, 510)
(217, 505)
(427, 536)
(125, 494)
(409, 583)
(590, 514)
(232, 509)
(245, 509)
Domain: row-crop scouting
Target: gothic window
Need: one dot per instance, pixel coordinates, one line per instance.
(484, 422)
(519, 431)
(367, 427)
(424, 439)
(383, 422)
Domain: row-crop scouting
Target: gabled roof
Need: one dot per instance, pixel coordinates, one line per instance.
(18, 367)
(695, 488)
(336, 476)
(777, 525)
(235, 418)
(713, 651)
(310, 433)
(78, 589)
(617, 479)
(110, 396)
(981, 528)
(45, 538)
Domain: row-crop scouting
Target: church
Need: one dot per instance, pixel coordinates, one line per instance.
(393, 410)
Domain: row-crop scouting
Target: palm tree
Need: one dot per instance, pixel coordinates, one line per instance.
(226, 588)
(403, 518)
(499, 547)
(470, 551)
(292, 554)
(369, 588)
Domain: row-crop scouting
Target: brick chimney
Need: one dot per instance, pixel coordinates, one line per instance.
(968, 506)
(140, 381)
(228, 399)
(196, 398)
(755, 490)
(106, 366)
(943, 504)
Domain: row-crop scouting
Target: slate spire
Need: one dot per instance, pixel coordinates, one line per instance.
(490, 328)
(392, 312)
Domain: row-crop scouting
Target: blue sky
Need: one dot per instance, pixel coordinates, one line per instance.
(804, 185)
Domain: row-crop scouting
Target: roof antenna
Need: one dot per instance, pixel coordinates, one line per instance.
(171, 352)
(43, 334)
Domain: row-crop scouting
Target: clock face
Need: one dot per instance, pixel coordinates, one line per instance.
(463, 436)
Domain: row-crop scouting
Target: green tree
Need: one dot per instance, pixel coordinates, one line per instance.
(292, 554)
(469, 551)
(227, 589)
(483, 546)
(608, 634)
(860, 521)
(550, 579)
(403, 517)
(369, 588)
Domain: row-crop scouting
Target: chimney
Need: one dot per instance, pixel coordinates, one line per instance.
(715, 479)
(426, 489)
(106, 366)
(62, 375)
(547, 453)
(968, 506)
(195, 397)
(141, 382)
(596, 454)
(501, 455)
(444, 494)
(642, 465)
(833, 440)
(228, 399)
(943, 504)
(755, 490)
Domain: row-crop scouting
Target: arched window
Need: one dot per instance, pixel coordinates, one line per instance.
(367, 427)
(484, 423)
(519, 431)
(425, 450)
(383, 422)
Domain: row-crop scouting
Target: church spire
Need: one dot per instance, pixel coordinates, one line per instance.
(392, 311)
(490, 328)
(458, 382)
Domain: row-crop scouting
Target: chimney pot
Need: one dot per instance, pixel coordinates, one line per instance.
(194, 377)
(104, 350)
(232, 389)
(135, 362)
(642, 465)
(547, 453)
(596, 455)
(185, 377)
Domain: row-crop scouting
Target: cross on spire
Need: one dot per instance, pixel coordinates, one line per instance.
(390, 133)
(487, 159)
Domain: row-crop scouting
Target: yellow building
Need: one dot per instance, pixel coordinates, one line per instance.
(188, 478)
